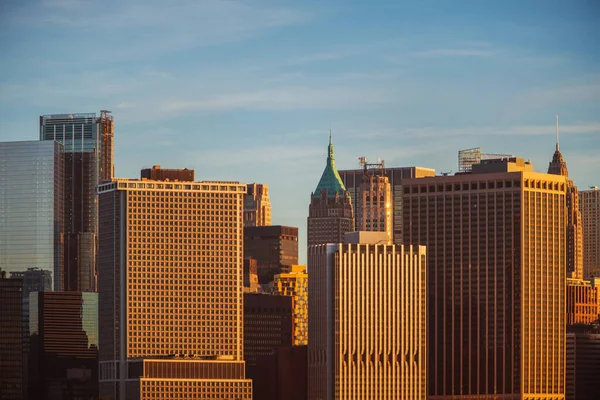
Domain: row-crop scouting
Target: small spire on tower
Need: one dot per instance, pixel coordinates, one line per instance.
(556, 132)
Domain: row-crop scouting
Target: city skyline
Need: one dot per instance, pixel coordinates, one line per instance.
(252, 85)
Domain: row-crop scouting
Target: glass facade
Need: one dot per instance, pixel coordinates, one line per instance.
(80, 135)
(31, 207)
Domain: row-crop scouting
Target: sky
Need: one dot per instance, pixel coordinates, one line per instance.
(249, 90)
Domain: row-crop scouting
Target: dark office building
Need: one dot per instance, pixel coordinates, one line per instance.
(583, 365)
(275, 248)
(11, 339)
(88, 160)
(156, 173)
(268, 324)
(64, 345)
(282, 375)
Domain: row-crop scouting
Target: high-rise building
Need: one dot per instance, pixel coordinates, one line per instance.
(295, 285)
(330, 214)
(63, 363)
(160, 174)
(257, 205)
(31, 208)
(367, 321)
(275, 249)
(281, 375)
(496, 253)
(582, 302)
(12, 371)
(589, 205)
(268, 323)
(373, 205)
(353, 179)
(88, 143)
(170, 290)
(574, 224)
(582, 365)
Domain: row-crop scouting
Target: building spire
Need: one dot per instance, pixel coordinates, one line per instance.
(556, 132)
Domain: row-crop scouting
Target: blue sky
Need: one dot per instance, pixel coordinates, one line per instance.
(247, 90)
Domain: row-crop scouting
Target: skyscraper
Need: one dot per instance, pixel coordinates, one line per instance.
(330, 213)
(170, 290)
(352, 180)
(367, 320)
(31, 208)
(88, 143)
(295, 284)
(496, 253)
(275, 249)
(11, 339)
(257, 205)
(574, 224)
(374, 201)
(589, 204)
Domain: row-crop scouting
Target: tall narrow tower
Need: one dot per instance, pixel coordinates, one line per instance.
(574, 226)
(88, 160)
(330, 213)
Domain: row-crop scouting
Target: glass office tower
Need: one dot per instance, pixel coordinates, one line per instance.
(31, 207)
(88, 160)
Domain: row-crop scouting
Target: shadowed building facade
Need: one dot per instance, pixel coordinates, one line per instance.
(589, 205)
(64, 345)
(496, 251)
(367, 320)
(170, 290)
(275, 249)
(12, 382)
(31, 208)
(88, 156)
(583, 364)
(330, 213)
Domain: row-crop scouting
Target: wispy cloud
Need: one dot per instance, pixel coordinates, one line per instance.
(284, 97)
(133, 29)
(591, 128)
(455, 52)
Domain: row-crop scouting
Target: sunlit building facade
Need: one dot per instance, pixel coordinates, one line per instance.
(170, 290)
(31, 208)
(257, 205)
(582, 302)
(295, 285)
(352, 180)
(496, 251)
(374, 204)
(367, 321)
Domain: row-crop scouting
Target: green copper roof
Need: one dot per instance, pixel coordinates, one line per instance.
(330, 179)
